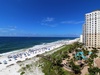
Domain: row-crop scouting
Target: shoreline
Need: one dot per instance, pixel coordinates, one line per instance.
(24, 49)
(12, 61)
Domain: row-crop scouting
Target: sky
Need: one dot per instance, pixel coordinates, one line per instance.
(44, 18)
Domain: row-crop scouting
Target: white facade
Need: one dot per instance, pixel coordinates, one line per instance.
(91, 29)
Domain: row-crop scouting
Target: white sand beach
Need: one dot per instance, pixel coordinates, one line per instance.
(9, 61)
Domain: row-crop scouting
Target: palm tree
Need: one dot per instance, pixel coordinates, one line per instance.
(76, 69)
(65, 56)
(22, 73)
(86, 52)
(90, 62)
(71, 63)
(93, 71)
(94, 50)
(93, 55)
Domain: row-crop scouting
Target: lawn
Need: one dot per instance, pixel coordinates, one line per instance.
(50, 69)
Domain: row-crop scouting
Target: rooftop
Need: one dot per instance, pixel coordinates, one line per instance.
(92, 12)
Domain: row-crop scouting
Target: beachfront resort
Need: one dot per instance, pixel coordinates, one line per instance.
(65, 57)
(73, 59)
(82, 57)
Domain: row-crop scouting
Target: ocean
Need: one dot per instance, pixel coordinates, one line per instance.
(8, 44)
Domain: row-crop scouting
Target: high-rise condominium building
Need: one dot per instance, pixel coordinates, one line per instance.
(91, 29)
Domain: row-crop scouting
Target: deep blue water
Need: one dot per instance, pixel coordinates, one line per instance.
(8, 44)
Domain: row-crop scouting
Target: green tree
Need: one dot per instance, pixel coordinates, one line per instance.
(75, 68)
(93, 71)
(22, 73)
(94, 50)
(93, 55)
(90, 62)
(86, 52)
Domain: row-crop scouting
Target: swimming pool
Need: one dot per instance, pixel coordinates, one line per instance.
(81, 54)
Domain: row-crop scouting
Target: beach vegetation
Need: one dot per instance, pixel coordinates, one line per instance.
(22, 73)
(68, 60)
(53, 63)
(94, 71)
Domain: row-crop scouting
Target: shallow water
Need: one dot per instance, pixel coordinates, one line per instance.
(8, 44)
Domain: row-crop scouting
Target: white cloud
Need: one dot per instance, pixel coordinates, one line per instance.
(72, 22)
(50, 25)
(49, 21)
(7, 29)
(12, 27)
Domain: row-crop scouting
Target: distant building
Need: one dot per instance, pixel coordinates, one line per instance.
(81, 38)
(91, 29)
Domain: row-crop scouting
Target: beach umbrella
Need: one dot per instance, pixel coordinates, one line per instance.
(5, 62)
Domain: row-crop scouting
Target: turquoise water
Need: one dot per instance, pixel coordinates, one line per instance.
(82, 55)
